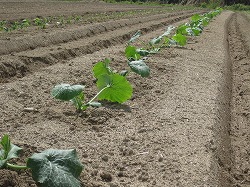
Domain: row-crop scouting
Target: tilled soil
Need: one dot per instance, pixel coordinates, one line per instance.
(186, 125)
(239, 42)
(31, 9)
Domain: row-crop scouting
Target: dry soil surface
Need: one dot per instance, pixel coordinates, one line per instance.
(186, 125)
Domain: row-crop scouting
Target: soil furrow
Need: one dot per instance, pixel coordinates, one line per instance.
(239, 40)
(46, 39)
(20, 64)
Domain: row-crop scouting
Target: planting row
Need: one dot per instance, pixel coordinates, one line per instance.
(113, 85)
(60, 21)
(40, 22)
(62, 168)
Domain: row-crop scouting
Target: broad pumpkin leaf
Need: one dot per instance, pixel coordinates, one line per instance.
(8, 151)
(180, 39)
(135, 36)
(139, 67)
(117, 88)
(55, 168)
(102, 68)
(66, 92)
(131, 53)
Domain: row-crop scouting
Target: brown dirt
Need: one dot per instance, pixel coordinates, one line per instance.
(173, 132)
(239, 47)
(31, 9)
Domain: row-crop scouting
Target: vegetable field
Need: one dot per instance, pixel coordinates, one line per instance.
(111, 95)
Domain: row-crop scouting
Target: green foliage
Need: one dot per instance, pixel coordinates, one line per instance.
(102, 68)
(131, 53)
(139, 67)
(55, 168)
(182, 29)
(66, 92)
(195, 18)
(238, 7)
(180, 39)
(114, 87)
(8, 151)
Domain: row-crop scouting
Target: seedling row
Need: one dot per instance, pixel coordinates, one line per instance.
(113, 85)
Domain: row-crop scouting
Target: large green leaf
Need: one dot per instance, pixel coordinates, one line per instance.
(180, 39)
(115, 88)
(135, 36)
(55, 168)
(102, 68)
(139, 67)
(8, 151)
(66, 92)
(131, 53)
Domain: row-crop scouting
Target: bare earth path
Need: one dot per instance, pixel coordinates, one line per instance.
(177, 130)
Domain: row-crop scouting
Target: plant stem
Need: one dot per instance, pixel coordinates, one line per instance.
(13, 166)
(97, 94)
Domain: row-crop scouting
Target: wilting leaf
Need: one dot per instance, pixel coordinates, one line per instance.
(139, 67)
(66, 92)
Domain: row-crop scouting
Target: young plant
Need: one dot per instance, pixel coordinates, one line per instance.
(112, 87)
(25, 23)
(3, 25)
(135, 62)
(52, 167)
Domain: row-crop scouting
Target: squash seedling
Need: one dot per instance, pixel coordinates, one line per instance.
(112, 87)
(52, 167)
